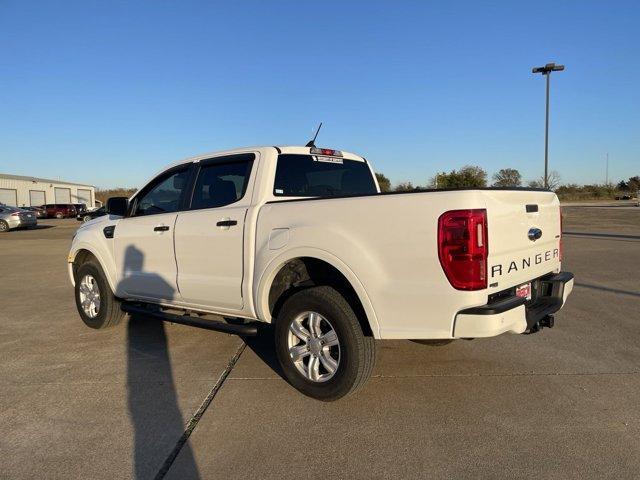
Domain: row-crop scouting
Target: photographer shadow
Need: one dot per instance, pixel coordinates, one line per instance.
(152, 399)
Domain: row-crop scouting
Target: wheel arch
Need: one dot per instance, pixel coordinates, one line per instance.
(83, 254)
(303, 268)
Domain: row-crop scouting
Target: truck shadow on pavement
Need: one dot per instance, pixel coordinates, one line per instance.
(263, 345)
(151, 394)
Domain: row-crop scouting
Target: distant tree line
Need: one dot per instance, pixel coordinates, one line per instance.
(472, 176)
(104, 194)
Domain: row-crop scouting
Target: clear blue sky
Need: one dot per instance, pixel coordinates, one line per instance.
(109, 92)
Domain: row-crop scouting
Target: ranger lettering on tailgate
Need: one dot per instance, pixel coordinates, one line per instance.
(526, 262)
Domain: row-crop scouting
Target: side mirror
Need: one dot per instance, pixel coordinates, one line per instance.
(118, 206)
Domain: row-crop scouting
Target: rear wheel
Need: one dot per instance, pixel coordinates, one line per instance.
(96, 304)
(4, 226)
(86, 218)
(59, 215)
(320, 344)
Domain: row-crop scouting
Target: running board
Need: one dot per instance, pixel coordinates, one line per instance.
(246, 330)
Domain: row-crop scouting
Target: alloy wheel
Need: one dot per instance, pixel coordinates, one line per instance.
(314, 347)
(90, 296)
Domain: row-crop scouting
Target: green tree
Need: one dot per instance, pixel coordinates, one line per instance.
(507, 177)
(468, 176)
(634, 183)
(383, 182)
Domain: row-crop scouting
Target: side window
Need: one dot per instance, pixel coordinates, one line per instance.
(163, 195)
(221, 184)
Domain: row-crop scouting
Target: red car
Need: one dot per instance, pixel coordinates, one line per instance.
(60, 210)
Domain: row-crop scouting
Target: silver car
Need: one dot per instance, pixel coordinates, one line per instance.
(12, 217)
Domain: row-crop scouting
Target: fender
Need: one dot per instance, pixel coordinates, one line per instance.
(107, 268)
(261, 299)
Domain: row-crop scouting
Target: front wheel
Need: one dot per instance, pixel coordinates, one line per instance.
(320, 344)
(59, 216)
(86, 218)
(4, 226)
(96, 304)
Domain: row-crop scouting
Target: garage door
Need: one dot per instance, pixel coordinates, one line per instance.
(36, 198)
(63, 195)
(84, 196)
(9, 197)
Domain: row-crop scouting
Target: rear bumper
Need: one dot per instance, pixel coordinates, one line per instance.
(511, 314)
(28, 222)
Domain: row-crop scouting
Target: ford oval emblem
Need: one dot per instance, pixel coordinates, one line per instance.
(534, 234)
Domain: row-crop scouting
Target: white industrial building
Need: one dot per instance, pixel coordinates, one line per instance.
(19, 191)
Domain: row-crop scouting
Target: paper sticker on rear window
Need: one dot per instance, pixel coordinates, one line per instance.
(328, 159)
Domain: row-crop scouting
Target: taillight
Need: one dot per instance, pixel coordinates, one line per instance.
(463, 249)
(560, 242)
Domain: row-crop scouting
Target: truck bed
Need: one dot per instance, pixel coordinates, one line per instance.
(389, 242)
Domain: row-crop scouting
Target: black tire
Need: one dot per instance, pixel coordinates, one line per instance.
(357, 351)
(86, 218)
(59, 216)
(4, 226)
(109, 312)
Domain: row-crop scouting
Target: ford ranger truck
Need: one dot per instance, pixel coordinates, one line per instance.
(301, 238)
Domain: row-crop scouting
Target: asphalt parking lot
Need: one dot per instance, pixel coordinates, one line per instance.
(563, 403)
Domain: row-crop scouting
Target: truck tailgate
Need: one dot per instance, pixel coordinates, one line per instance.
(524, 236)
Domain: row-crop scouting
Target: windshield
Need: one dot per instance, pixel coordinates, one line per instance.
(315, 176)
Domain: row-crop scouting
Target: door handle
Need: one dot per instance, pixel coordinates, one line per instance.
(227, 223)
(161, 228)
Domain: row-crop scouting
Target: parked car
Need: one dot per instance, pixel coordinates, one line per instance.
(302, 238)
(80, 207)
(623, 197)
(60, 210)
(12, 217)
(40, 213)
(91, 214)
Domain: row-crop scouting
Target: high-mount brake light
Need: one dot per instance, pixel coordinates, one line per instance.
(325, 151)
(463, 248)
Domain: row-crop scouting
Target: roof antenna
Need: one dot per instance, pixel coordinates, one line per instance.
(312, 143)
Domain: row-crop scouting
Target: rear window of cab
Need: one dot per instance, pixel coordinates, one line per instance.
(318, 176)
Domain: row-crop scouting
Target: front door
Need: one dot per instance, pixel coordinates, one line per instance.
(144, 252)
(209, 237)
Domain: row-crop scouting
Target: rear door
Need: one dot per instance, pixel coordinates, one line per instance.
(209, 237)
(524, 235)
(143, 242)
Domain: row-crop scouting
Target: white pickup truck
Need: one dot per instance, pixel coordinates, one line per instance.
(301, 237)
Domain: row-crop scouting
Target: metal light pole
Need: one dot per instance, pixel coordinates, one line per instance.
(546, 70)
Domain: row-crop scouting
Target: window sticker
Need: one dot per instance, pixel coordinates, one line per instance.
(328, 159)
(279, 191)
